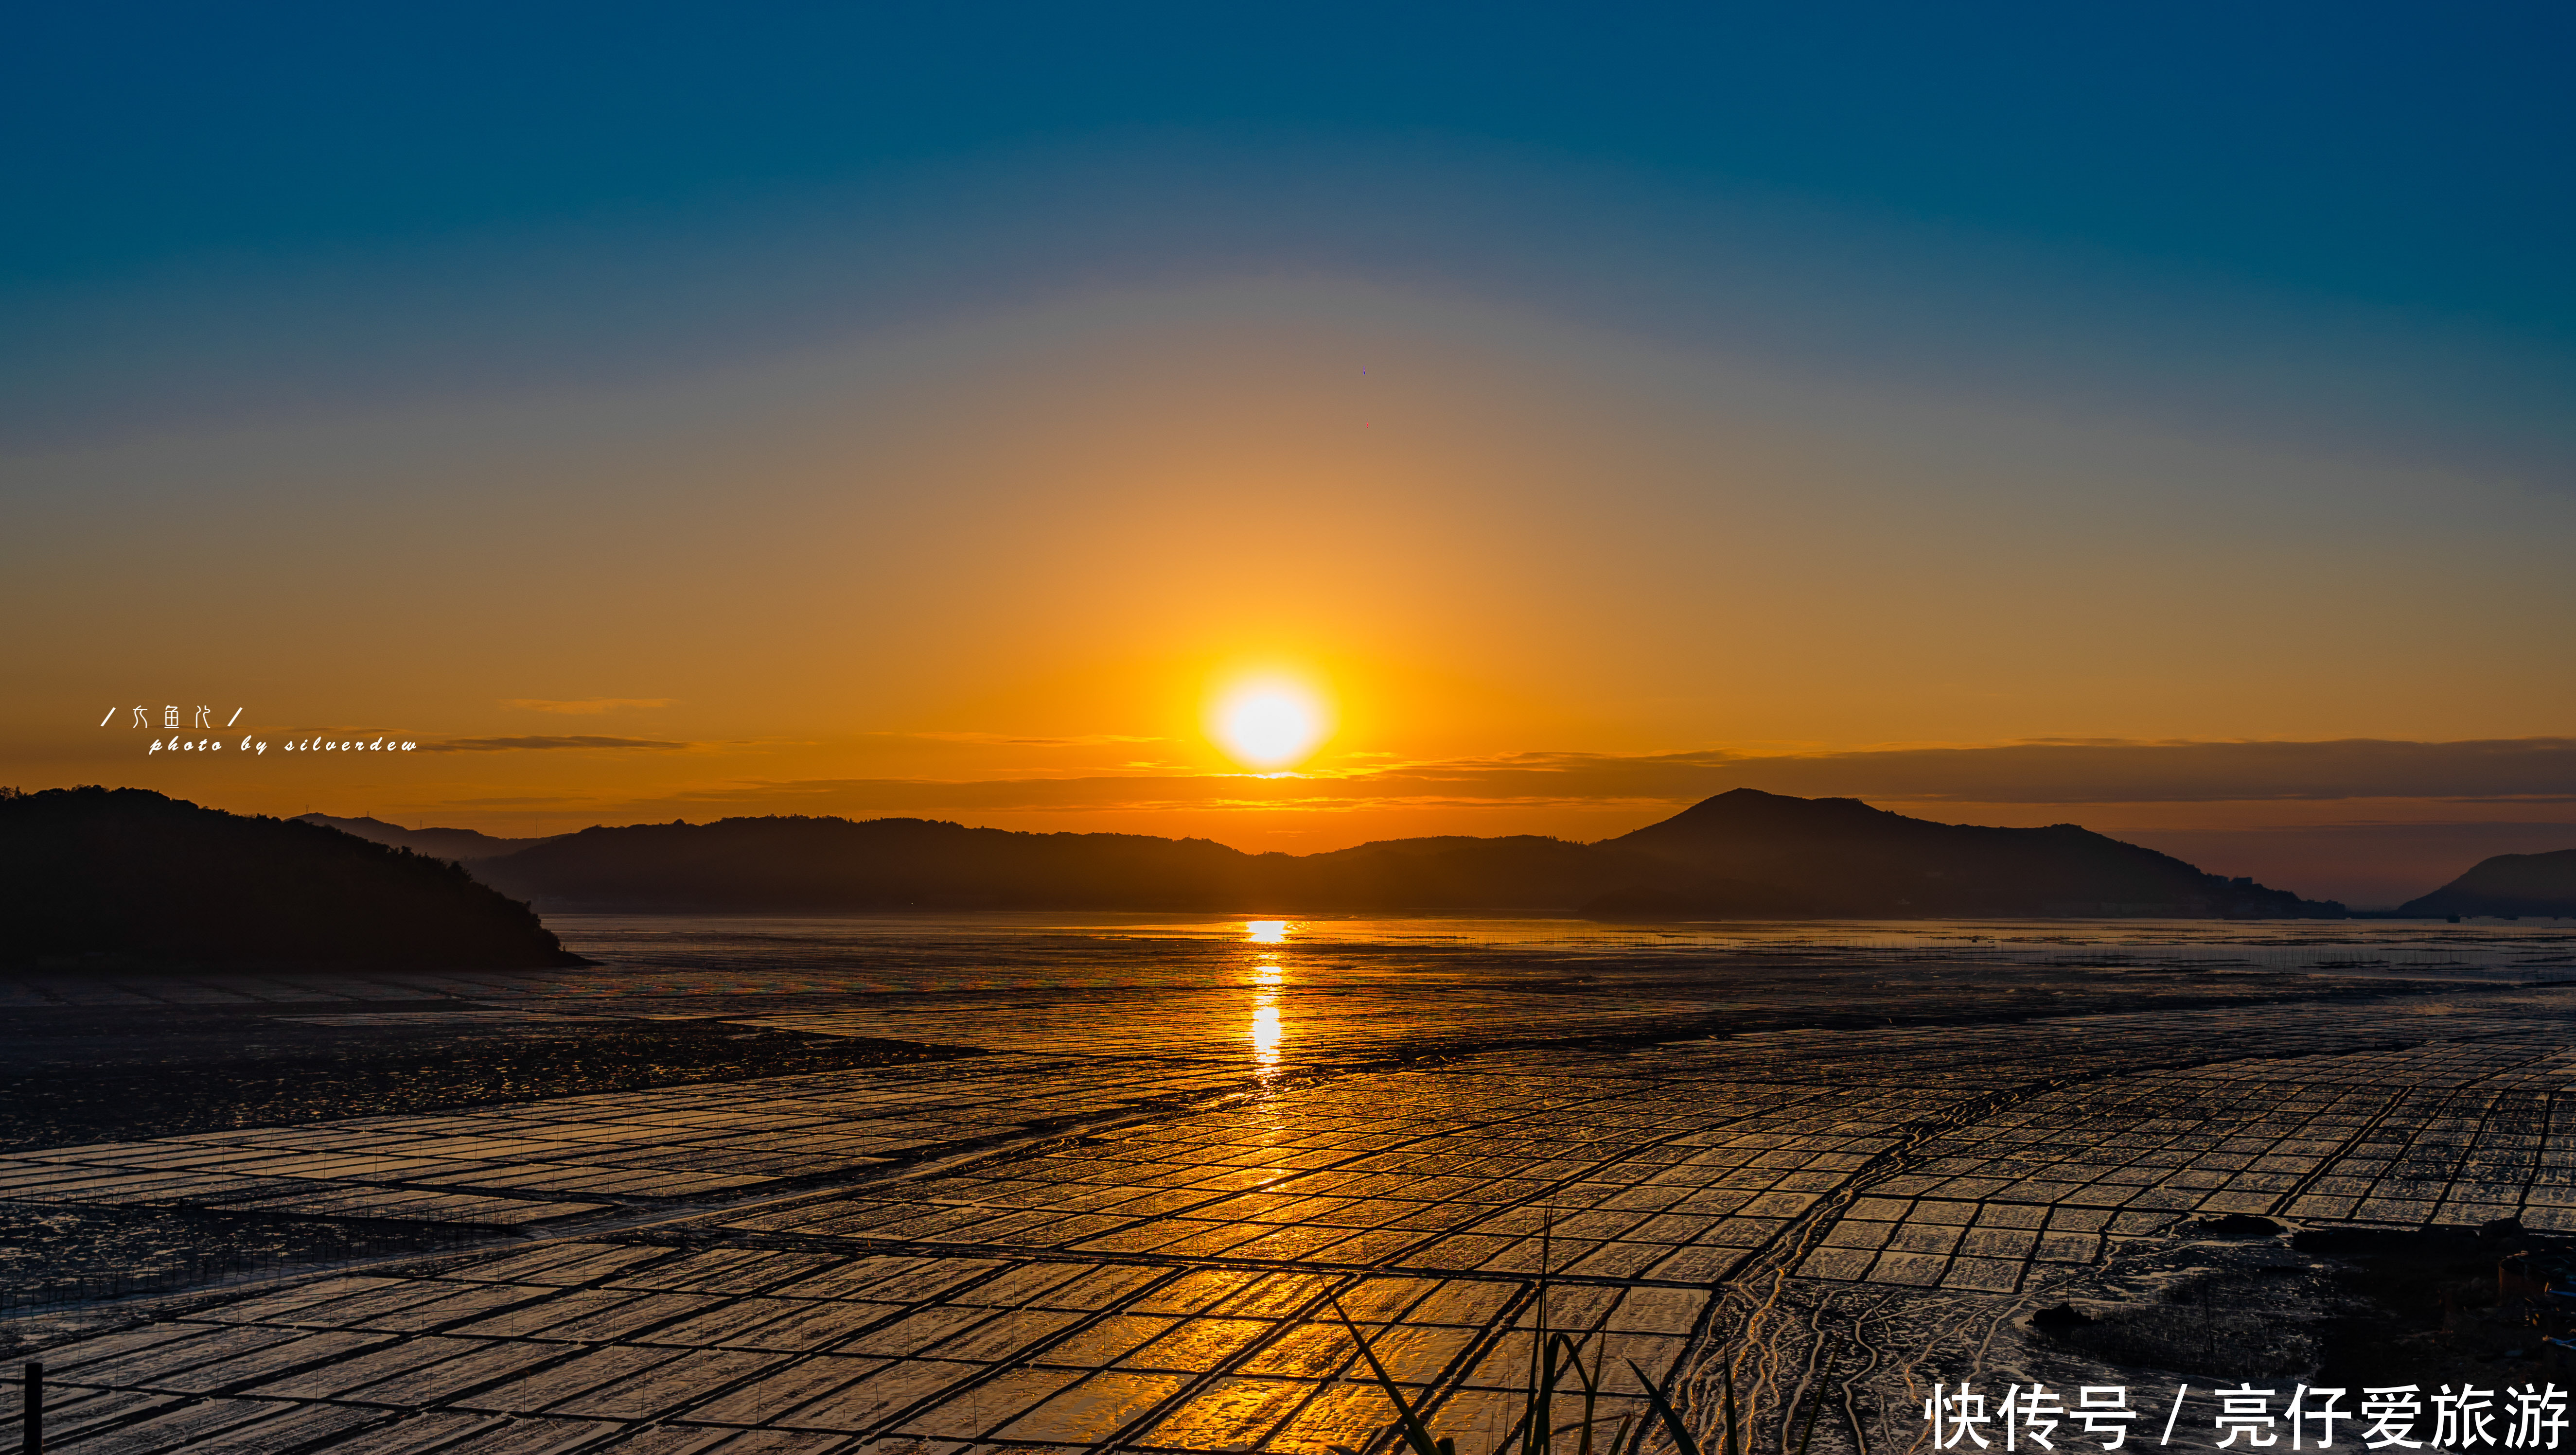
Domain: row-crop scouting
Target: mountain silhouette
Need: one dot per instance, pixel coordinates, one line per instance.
(461, 845)
(126, 874)
(2507, 884)
(1742, 854)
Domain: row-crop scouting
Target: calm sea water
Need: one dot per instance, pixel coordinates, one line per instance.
(1174, 950)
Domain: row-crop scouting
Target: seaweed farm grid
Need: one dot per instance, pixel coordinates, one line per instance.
(1025, 1250)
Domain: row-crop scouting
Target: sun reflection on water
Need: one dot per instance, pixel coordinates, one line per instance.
(1268, 974)
(1265, 1032)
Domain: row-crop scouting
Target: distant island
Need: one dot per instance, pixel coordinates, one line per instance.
(2508, 885)
(1743, 854)
(98, 875)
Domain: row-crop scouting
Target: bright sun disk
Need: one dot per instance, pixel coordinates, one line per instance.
(1270, 727)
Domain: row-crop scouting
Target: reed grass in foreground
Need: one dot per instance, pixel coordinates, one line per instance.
(1552, 1358)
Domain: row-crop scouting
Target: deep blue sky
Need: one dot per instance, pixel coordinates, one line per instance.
(2405, 155)
(214, 210)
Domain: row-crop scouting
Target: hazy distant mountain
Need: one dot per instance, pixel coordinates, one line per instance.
(799, 863)
(788, 864)
(1742, 854)
(2515, 884)
(130, 874)
(461, 844)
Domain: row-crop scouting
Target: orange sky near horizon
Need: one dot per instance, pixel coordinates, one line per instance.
(994, 569)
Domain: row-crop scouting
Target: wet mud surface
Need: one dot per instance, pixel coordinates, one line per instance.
(75, 1075)
(2330, 1307)
(56, 1257)
(2429, 1305)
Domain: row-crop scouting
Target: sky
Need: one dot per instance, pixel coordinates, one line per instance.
(2151, 418)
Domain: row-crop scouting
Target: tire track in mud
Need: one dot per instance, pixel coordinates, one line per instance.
(1775, 1356)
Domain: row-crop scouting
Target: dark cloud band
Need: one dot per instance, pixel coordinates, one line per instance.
(2517, 769)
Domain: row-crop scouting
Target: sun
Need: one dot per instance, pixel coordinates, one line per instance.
(1269, 725)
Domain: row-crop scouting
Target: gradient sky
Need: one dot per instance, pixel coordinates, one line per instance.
(2154, 418)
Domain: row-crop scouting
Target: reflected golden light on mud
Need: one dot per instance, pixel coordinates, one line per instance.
(1266, 931)
(1265, 1031)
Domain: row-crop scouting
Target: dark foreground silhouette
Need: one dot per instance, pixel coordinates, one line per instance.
(125, 874)
(2508, 884)
(1743, 854)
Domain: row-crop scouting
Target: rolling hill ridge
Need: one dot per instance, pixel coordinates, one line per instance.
(1743, 854)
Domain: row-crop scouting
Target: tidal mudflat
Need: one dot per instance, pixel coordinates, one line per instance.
(1032, 1183)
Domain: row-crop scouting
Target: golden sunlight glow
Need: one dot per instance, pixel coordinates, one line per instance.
(1268, 725)
(1265, 1032)
(1266, 931)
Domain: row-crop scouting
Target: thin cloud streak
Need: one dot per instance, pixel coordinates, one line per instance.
(584, 705)
(510, 745)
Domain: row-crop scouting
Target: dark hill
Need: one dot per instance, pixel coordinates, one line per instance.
(131, 874)
(2510, 884)
(1842, 857)
(1742, 854)
(463, 845)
